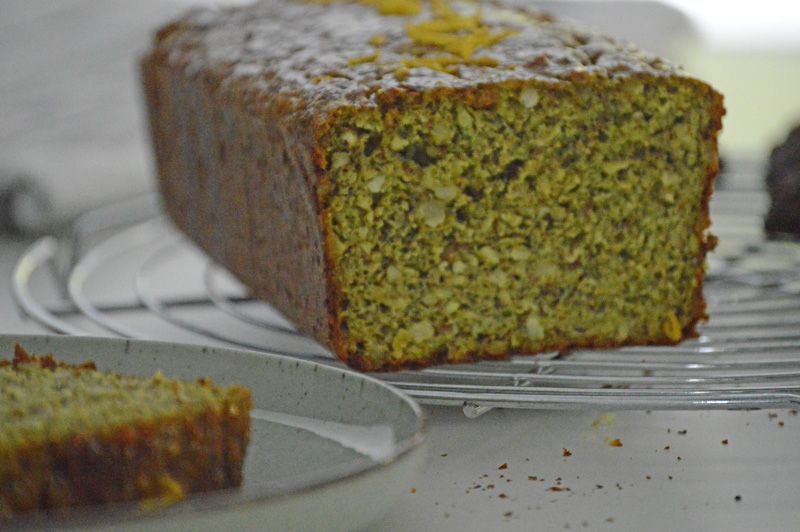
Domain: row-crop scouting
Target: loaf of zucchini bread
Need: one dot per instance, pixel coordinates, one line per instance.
(73, 436)
(414, 183)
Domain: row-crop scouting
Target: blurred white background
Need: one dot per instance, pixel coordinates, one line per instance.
(767, 25)
(71, 114)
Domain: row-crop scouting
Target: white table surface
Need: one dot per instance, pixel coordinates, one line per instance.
(507, 469)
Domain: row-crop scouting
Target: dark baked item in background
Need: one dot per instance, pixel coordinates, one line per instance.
(783, 186)
(73, 436)
(414, 183)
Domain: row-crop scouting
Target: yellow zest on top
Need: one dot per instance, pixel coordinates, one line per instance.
(378, 40)
(353, 61)
(447, 64)
(385, 7)
(457, 34)
(440, 64)
(460, 43)
(396, 7)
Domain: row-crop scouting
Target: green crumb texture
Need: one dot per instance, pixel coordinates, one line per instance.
(467, 181)
(554, 217)
(72, 436)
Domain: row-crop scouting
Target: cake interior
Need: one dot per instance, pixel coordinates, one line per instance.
(46, 405)
(526, 219)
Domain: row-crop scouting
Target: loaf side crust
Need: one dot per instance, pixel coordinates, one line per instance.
(257, 97)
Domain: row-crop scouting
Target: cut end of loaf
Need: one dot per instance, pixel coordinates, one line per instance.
(535, 218)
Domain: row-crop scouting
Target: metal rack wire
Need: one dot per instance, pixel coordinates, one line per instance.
(124, 271)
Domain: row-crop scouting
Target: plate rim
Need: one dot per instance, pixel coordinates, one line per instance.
(199, 504)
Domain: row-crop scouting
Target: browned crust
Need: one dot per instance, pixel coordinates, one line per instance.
(315, 310)
(45, 361)
(709, 241)
(198, 451)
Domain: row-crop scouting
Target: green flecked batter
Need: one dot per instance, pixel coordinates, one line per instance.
(45, 405)
(555, 216)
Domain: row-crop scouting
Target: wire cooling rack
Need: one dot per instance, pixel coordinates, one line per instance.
(124, 271)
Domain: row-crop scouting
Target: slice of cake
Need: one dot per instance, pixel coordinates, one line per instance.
(414, 183)
(72, 435)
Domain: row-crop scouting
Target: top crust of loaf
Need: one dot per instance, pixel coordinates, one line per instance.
(321, 57)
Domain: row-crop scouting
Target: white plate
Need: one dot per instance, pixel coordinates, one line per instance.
(330, 449)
